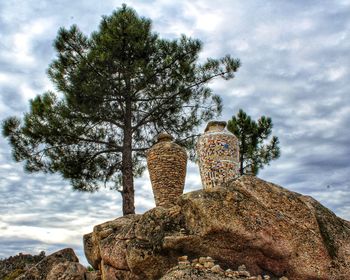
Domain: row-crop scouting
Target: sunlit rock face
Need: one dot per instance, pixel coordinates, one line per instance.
(271, 230)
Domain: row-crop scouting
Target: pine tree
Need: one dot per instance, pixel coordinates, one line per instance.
(116, 90)
(254, 147)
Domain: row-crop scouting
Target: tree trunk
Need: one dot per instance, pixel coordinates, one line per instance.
(128, 192)
(128, 179)
(241, 154)
(241, 168)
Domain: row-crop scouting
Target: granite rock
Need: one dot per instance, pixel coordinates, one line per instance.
(67, 271)
(272, 231)
(64, 261)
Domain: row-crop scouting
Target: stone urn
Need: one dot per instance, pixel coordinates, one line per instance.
(166, 163)
(218, 155)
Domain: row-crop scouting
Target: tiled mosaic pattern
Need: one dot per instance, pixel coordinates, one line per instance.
(166, 163)
(218, 157)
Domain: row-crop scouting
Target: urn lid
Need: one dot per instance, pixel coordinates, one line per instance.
(164, 137)
(215, 125)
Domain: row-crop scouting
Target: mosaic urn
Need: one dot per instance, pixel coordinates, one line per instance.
(166, 163)
(218, 155)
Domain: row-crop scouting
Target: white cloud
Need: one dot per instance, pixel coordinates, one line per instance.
(47, 235)
(206, 18)
(336, 73)
(21, 44)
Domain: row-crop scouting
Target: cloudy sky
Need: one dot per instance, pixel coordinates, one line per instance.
(295, 69)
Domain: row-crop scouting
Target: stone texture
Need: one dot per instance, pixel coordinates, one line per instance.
(167, 163)
(98, 243)
(197, 269)
(92, 252)
(113, 252)
(269, 229)
(218, 155)
(194, 274)
(12, 267)
(42, 269)
(67, 271)
(93, 275)
(272, 231)
(106, 247)
(110, 273)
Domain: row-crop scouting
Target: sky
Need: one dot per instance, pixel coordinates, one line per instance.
(295, 69)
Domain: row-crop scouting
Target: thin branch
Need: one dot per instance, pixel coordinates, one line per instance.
(191, 136)
(140, 149)
(83, 57)
(161, 70)
(100, 153)
(144, 120)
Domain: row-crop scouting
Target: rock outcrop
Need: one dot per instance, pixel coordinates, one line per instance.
(62, 265)
(12, 267)
(272, 231)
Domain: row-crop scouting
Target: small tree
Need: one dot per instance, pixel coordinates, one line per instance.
(254, 148)
(120, 87)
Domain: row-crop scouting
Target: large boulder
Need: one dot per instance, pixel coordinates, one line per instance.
(271, 230)
(106, 245)
(67, 271)
(63, 265)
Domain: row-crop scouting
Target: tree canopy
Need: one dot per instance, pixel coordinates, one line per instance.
(115, 90)
(255, 148)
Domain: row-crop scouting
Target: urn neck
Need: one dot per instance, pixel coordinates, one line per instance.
(164, 137)
(215, 126)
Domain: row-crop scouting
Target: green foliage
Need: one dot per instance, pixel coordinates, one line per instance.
(90, 268)
(254, 148)
(14, 274)
(116, 90)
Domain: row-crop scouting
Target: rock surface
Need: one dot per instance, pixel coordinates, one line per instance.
(272, 231)
(12, 267)
(92, 275)
(205, 268)
(67, 271)
(61, 265)
(194, 274)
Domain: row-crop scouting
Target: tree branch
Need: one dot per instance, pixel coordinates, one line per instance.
(167, 100)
